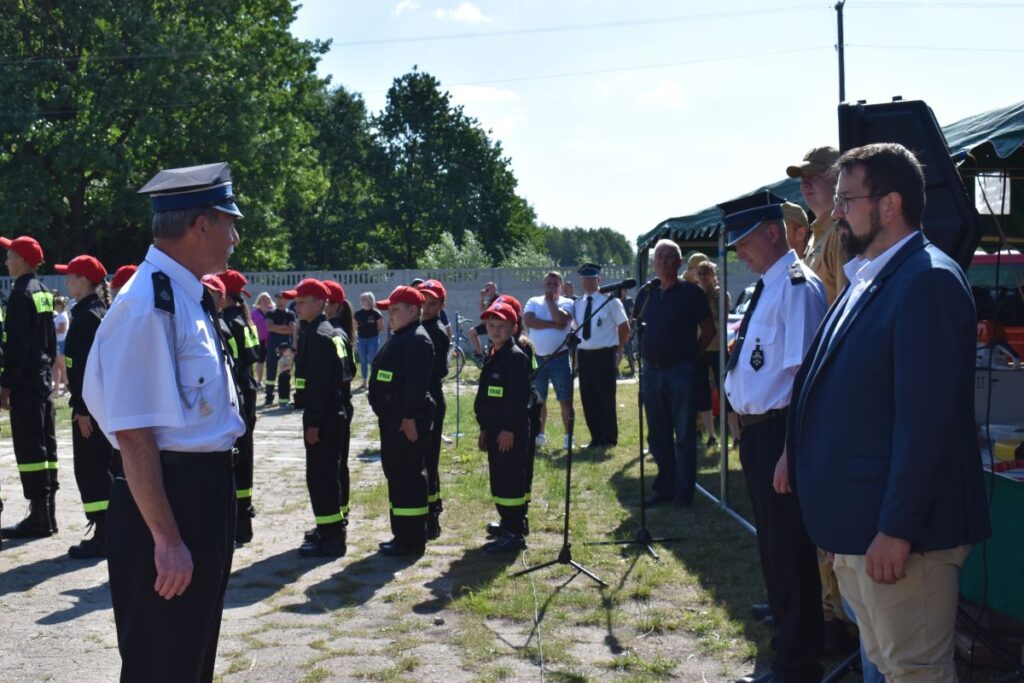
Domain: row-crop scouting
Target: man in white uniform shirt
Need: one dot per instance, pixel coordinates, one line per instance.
(549, 318)
(779, 325)
(159, 387)
(602, 330)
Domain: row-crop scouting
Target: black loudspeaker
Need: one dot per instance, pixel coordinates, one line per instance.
(950, 220)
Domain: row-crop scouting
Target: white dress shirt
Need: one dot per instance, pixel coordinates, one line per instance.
(547, 340)
(604, 327)
(861, 274)
(782, 328)
(147, 369)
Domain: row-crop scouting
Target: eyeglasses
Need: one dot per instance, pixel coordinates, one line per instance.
(843, 203)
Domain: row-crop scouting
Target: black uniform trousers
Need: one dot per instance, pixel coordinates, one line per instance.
(173, 640)
(789, 559)
(508, 476)
(434, 453)
(322, 470)
(244, 445)
(35, 441)
(270, 371)
(94, 470)
(404, 464)
(284, 386)
(597, 393)
(344, 478)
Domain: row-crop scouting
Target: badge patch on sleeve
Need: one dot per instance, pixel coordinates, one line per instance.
(384, 375)
(495, 392)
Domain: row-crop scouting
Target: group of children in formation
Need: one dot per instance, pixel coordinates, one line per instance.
(404, 390)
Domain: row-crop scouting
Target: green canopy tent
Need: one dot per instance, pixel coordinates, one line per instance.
(994, 145)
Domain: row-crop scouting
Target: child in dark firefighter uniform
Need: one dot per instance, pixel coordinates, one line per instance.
(399, 393)
(502, 405)
(244, 346)
(434, 297)
(321, 373)
(29, 352)
(93, 454)
(494, 529)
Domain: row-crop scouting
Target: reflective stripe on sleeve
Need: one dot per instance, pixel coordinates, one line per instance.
(97, 506)
(43, 302)
(243, 493)
(300, 382)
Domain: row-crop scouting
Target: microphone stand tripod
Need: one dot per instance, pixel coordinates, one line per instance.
(643, 536)
(565, 554)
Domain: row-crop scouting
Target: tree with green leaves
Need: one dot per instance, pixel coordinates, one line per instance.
(574, 246)
(100, 94)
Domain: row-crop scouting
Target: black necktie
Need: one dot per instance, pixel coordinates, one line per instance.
(734, 357)
(586, 319)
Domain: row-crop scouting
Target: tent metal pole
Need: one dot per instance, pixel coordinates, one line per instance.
(728, 510)
(723, 322)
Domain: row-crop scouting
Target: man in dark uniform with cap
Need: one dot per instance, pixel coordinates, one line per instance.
(173, 413)
(434, 297)
(399, 394)
(30, 348)
(602, 330)
(787, 306)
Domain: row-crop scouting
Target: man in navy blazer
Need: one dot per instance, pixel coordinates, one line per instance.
(881, 441)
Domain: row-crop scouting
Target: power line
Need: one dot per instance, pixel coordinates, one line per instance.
(564, 28)
(943, 48)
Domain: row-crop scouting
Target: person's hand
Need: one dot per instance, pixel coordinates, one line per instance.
(886, 559)
(173, 568)
(312, 435)
(505, 441)
(5, 398)
(781, 479)
(481, 441)
(84, 423)
(409, 429)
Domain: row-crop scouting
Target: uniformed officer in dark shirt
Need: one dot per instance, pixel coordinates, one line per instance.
(281, 328)
(321, 373)
(434, 297)
(672, 314)
(399, 393)
(26, 380)
(244, 345)
(502, 410)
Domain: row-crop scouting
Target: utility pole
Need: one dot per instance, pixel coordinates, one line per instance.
(842, 61)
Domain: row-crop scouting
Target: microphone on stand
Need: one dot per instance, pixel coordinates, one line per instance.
(628, 283)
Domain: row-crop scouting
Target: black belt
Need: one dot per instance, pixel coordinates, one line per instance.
(750, 420)
(554, 355)
(182, 459)
(603, 349)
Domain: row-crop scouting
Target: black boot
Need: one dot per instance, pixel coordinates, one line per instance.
(495, 529)
(434, 525)
(35, 525)
(94, 547)
(51, 510)
(243, 526)
(326, 545)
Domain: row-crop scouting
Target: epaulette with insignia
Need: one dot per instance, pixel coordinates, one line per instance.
(796, 274)
(163, 295)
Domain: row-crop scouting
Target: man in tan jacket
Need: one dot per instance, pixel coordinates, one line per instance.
(825, 255)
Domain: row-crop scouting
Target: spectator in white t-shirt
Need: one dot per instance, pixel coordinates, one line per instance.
(60, 325)
(549, 318)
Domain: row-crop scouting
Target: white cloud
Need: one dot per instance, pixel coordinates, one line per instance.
(466, 13)
(405, 6)
(668, 94)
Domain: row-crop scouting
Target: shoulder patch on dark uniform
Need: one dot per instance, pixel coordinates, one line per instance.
(796, 274)
(163, 295)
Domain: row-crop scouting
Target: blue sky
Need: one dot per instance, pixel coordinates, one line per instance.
(622, 114)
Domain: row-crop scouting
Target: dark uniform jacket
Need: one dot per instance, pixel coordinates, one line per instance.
(321, 372)
(31, 338)
(85, 320)
(400, 378)
(439, 337)
(244, 345)
(503, 395)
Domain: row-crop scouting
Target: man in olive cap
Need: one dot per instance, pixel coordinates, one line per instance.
(798, 231)
(825, 254)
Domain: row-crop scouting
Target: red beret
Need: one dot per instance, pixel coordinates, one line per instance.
(25, 247)
(311, 287)
(86, 266)
(122, 276)
(214, 284)
(435, 288)
(501, 311)
(234, 282)
(335, 292)
(511, 301)
(402, 295)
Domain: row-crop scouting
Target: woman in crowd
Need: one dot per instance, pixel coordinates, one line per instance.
(708, 374)
(264, 304)
(369, 325)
